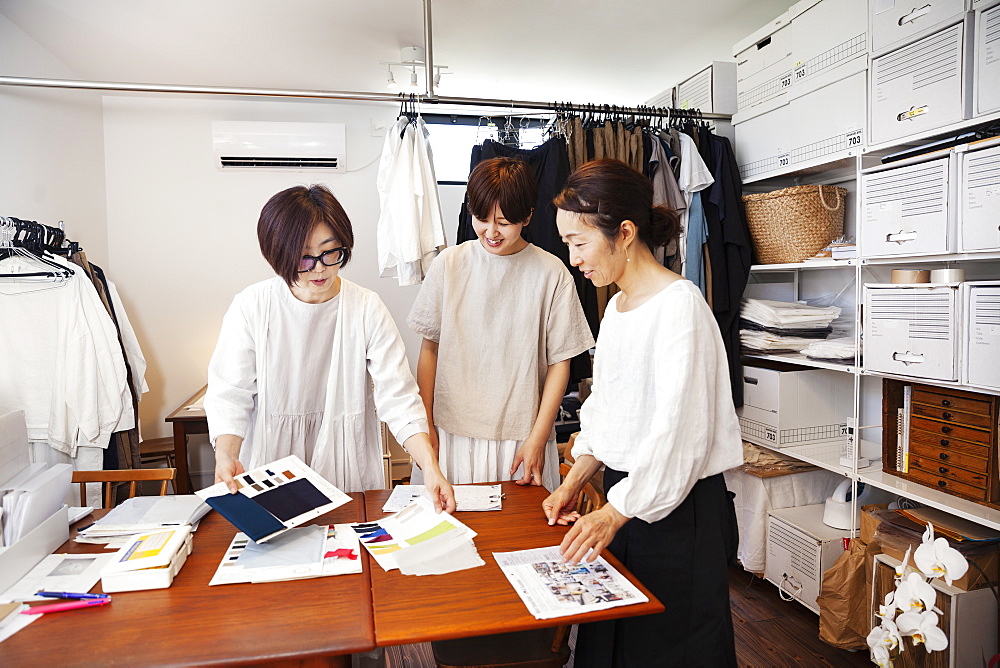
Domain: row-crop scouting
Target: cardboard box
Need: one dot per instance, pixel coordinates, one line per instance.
(894, 24)
(763, 68)
(979, 191)
(987, 65)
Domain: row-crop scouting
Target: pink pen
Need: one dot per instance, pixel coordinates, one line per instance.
(72, 605)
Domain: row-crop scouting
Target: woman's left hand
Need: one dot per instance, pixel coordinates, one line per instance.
(532, 455)
(591, 533)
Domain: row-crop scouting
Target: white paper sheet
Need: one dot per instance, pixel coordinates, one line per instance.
(145, 513)
(551, 588)
(296, 547)
(59, 572)
(339, 536)
(35, 500)
(467, 497)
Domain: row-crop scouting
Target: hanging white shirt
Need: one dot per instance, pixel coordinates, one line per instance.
(254, 388)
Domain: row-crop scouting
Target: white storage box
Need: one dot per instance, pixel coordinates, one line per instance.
(763, 144)
(896, 23)
(828, 122)
(923, 86)
(987, 61)
(150, 560)
(979, 190)
(826, 35)
(763, 68)
(907, 210)
(912, 330)
(786, 405)
(711, 90)
(982, 352)
(800, 548)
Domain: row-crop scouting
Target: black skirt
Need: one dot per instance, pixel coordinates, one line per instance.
(683, 560)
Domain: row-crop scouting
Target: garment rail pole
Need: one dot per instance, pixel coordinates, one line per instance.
(330, 95)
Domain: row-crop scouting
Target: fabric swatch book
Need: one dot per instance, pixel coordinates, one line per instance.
(144, 513)
(274, 498)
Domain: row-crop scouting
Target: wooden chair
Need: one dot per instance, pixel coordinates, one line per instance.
(155, 450)
(537, 648)
(107, 478)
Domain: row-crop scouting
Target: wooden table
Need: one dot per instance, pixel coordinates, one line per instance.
(187, 420)
(192, 623)
(477, 601)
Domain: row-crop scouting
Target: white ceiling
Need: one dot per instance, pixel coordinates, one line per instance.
(569, 50)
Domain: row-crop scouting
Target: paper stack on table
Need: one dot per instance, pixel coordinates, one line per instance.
(551, 588)
(274, 498)
(419, 541)
(143, 513)
(303, 552)
(467, 497)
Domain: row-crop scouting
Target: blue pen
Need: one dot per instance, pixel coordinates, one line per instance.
(68, 594)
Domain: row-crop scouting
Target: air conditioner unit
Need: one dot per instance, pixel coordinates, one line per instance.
(278, 146)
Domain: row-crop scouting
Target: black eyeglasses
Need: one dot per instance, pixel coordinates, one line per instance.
(330, 258)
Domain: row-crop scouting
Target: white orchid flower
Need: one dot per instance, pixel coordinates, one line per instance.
(914, 594)
(922, 627)
(886, 636)
(880, 656)
(888, 609)
(901, 569)
(936, 558)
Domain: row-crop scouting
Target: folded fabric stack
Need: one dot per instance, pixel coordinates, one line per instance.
(772, 327)
(839, 349)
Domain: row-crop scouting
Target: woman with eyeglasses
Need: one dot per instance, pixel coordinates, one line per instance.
(500, 319)
(306, 358)
(661, 420)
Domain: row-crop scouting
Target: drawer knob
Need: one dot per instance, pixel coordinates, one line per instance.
(942, 483)
(946, 402)
(946, 415)
(945, 442)
(943, 455)
(942, 469)
(946, 429)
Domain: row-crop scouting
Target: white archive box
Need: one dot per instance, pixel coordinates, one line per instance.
(800, 548)
(986, 87)
(913, 330)
(828, 122)
(763, 69)
(979, 191)
(826, 36)
(713, 89)
(786, 405)
(896, 23)
(982, 341)
(763, 144)
(922, 86)
(907, 207)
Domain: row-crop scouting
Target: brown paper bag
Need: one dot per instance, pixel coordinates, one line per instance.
(844, 599)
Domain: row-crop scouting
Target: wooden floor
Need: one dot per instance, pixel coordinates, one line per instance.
(770, 632)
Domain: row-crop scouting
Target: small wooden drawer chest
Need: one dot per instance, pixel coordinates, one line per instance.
(952, 439)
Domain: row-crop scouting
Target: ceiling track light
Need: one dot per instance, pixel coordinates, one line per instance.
(412, 58)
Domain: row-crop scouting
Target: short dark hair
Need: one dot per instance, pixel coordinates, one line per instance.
(608, 192)
(287, 220)
(508, 182)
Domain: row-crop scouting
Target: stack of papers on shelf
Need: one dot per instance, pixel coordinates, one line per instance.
(274, 498)
(141, 514)
(303, 552)
(467, 497)
(419, 541)
(551, 588)
(768, 326)
(150, 560)
(839, 349)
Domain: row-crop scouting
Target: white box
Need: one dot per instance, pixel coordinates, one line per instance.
(763, 68)
(969, 619)
(987, 61)
(800, 548)
(979, 194)
(763, 144)
(826, 34)
(829, 122)
(169, 549)
(912, 330)
(786, 405)
(17, 559)
(712, 90)
(896, 23)
(982, 351)
(907, 209)
(922, 86)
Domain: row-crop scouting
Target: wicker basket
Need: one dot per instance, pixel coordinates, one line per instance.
(792, 224)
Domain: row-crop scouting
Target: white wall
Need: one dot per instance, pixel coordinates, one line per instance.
(182, 234)
(51, 147)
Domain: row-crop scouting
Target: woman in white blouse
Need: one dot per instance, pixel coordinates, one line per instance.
(304, 359)
(661, 420)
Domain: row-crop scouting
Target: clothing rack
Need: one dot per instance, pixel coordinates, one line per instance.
(349, 95)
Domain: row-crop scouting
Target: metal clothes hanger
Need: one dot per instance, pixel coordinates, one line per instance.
(39, 269)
